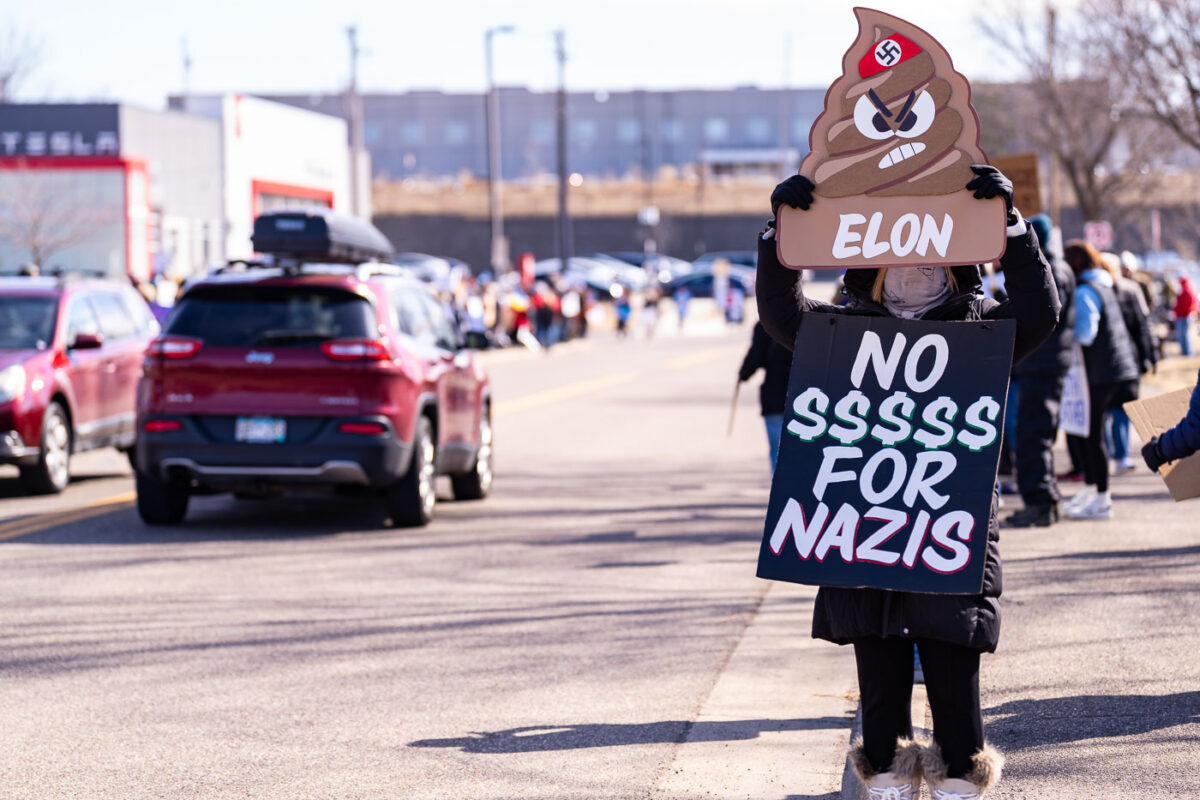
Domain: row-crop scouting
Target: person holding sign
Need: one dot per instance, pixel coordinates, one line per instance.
(1041, 378)
(1112, 371)
(1180, 441)
(884, 495)
(950, 631)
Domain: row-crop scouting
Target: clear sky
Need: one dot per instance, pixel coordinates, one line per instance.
(131, 50)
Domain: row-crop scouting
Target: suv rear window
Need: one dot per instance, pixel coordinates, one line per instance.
(258, 316)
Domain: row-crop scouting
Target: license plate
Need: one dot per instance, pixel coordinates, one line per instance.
(261, 430)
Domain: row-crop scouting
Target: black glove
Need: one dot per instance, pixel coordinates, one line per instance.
(796, 192)
(1152, 454)
(990, 182)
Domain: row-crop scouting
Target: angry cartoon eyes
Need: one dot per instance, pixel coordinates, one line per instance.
(875, 120)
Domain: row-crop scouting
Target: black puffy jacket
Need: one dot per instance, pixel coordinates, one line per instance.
(1053, 356)
(842, 615)
(776, 363)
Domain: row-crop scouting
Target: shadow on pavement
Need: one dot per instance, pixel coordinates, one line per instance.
(10, 487)
(232, 523)
(537, 738)
(520, 497)
(1161, 552)
(1035, 723)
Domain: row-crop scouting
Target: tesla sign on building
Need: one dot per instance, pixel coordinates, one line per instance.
(117, 189)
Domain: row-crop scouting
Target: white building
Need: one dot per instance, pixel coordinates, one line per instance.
(123, 190)
(274, 156)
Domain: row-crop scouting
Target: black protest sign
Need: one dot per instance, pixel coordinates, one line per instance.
(889, 452)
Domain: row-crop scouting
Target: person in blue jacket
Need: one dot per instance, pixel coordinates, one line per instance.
(1180, 441)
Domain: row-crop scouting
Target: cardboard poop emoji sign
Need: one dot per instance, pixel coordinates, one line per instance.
(890, 158)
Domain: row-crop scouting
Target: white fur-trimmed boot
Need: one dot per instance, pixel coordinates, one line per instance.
(986, 765)
(901, 782)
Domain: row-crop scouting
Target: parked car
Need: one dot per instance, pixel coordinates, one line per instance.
(742, 263)
(660, 267)
(317, 368)
(700, 284)
(442, 273)
(70, 356)
(601, 275)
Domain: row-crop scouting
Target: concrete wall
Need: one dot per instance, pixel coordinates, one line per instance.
(688, 236)
(461, 237)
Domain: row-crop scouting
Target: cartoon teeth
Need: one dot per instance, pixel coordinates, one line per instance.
(900, 153)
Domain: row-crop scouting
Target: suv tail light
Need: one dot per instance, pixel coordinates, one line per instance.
(174, 347)
(363, 428)
(356, 350)
(161, 425)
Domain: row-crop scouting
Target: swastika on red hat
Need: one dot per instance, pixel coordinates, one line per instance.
(888, 52)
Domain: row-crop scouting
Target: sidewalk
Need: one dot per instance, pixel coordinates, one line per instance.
(778, 721)
(1094, 691)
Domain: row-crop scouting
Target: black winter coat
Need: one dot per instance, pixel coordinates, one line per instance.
(1137, 323)
(842, 615)
(1053, 356)
(776, 363)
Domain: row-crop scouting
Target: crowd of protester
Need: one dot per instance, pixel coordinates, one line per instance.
(552, 310)
(1122, 320)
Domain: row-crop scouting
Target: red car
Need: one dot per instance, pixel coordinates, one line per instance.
(302, 372)
(70, 358)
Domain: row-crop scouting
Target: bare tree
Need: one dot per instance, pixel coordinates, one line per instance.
(20, 54)
(1152, 50)
(1072, 115)
(44, 213)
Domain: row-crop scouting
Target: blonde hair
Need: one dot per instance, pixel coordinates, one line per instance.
(877, 287)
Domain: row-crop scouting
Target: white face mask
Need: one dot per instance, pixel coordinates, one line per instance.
(908, 292)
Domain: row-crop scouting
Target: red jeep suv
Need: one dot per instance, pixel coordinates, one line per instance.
(311, 369)
(70, 357)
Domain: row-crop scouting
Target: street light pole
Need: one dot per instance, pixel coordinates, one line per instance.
(354, 114)
(495, 176)
(564, 225)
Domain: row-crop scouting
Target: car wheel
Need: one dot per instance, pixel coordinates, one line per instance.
(411, 499)
(161, 502)
(52, 472)
(476, 484)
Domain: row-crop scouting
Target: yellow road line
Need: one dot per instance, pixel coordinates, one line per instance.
(557, 394)
(702, 357)
(27, 525)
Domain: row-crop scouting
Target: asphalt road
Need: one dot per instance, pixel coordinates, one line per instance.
(556, 640)
(592, 630)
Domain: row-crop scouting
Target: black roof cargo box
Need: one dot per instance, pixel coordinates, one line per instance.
(319, 235)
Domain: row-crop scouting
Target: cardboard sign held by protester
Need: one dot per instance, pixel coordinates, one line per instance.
(890, 157)
(1152, 417)
(1075, 408)
(888, 458)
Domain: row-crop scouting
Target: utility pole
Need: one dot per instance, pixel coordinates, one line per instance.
(564, 224)
(187, 71)
(785, 110)
(648, 214)
(1051, 47)
(495, 172)
(354, 114)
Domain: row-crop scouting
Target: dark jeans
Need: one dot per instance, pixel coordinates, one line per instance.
(1038, 402)
(885, 681)
(1095, 450)
(1075, 450)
